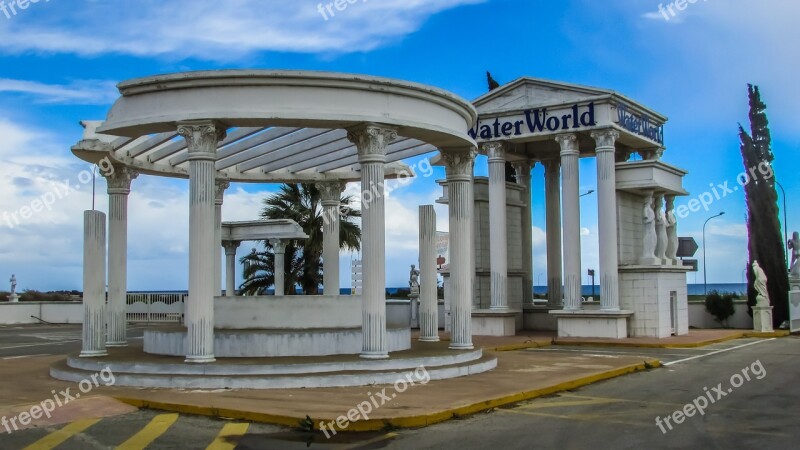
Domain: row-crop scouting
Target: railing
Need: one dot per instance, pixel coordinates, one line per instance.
(155, 307)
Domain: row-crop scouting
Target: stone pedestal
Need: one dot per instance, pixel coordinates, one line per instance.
(13, 298)
(490, 322)
(762, 319)
(794, 283)
(658, 296)
(413, 300)
(593, 324)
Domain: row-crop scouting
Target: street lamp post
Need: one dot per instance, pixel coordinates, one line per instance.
(705, 273)
(785, 226)
(588, 193)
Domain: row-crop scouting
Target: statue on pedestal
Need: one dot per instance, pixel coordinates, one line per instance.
(413, 280)
(761, 285)
(13, 297)
(794, 246)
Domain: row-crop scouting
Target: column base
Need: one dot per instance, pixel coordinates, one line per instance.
(495, 322)
(93, 354)
(593, 324)
(116, 344)
(461, 347)
(200, 359)
(429, 339)
(369, 355)
(762, 319)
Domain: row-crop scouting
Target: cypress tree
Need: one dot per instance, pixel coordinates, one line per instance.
(765, 238)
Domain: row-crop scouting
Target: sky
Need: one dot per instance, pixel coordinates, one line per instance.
(60, 61)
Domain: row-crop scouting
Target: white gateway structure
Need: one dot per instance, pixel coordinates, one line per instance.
(218, 127)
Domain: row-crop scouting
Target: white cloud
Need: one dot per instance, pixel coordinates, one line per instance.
(80, 92)
(212, 30)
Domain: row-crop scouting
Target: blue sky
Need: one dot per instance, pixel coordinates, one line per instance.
(60, 60)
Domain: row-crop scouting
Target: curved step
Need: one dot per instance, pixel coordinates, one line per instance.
(129, 366)
(485, 363)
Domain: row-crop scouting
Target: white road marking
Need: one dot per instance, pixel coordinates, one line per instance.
(40, 344)
(25, 356)
(718, 352)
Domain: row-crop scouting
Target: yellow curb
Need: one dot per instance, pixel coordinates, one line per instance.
(644, 345)
(772, 334)
(416, 421)
(522, 346)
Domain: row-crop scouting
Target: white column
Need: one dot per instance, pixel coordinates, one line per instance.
(371, 141)
(607, 218)
(219, 197)
(571, 219)
(498, 232)
(459, 164)
(202, 138)
(279, 250)
(331, 195)
(94, 284)
(523, 169)
(661, 228)
(555, 281)
(119, 186)
(672, 232)
(429, 294)
(230, 267)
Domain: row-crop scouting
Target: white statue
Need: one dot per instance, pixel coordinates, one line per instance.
(661, 229)
(672, 231)
(794, 246)
(13, 281)
(650, 239)
(760, 285)
(413, 280)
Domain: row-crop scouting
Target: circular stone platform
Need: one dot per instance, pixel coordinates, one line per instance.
(132, 367)
(274, 343)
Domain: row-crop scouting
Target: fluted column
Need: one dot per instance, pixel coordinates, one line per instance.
(429, 294)
(202, 138)
(219, 197)
(230, 267)
(279, 250)
(119, 187)
(371, 141)
(571, 219)
(331, 195)
(607, 218)
(672, 232)
(94, 284)
(523, 169)
(459, 164)
(552, 186)
(498, 231)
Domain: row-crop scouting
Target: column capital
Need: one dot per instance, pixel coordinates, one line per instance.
(568, 143)
(496, 151)
(605, 139)
(202, 138)
(231, 247)
(119, 180)
(278, 245)
(459, 163)
(220, 186)
(330, 192)
(371, 141)
(524, 167)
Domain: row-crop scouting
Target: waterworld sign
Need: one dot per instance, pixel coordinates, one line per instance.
(639, 124)
(536, 121)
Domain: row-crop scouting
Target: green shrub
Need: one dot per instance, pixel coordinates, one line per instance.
(720, 305)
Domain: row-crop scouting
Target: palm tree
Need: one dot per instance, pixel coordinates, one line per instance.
(302, 204)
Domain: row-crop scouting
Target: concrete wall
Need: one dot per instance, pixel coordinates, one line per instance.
(398, 314)
(700, 318)
(648, 294)
(631, 227)
(293, 312)
(53, 312)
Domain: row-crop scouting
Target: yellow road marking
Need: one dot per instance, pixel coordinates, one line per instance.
(230, 430)
(150, 433)
(559, 404)
(57, 438)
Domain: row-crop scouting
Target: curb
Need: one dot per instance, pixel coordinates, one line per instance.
(739, 335)
(522, 346)
(416, 421)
